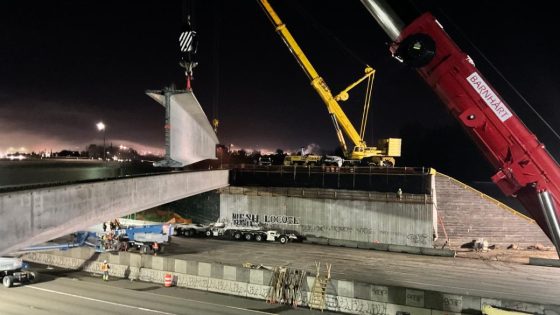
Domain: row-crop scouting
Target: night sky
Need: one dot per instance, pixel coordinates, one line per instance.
(65, 65)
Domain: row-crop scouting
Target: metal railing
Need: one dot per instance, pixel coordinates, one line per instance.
(415, 180)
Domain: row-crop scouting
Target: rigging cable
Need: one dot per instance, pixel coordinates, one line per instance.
(216, 58)
(325, 32)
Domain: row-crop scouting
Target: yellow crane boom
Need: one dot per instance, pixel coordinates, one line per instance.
(340, 120)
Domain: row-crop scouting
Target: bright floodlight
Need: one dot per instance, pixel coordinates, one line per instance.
(100, 126)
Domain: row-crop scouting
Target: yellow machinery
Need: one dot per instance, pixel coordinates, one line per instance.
(386, 150)
(305, 160)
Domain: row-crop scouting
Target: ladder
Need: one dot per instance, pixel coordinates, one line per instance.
(319, 290)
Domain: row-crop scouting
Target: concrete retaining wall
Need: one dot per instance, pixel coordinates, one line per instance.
(350, 297)
(334, 214)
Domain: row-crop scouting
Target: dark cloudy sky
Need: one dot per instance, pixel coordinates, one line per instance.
(64, 65)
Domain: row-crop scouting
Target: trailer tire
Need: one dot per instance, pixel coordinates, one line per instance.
(248, 237)
(283, 239)
(33, 276)
(259, 238)
(8, 281)
(237, 236)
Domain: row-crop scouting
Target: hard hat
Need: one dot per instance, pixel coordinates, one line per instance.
(105, 261)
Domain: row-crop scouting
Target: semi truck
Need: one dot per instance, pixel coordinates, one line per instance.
(250, 233)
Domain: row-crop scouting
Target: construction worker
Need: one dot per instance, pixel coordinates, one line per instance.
(155, 248)
(105, 268)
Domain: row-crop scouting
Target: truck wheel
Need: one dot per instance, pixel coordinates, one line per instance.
(258, 238)
(208, 233)
(33, 276)
(8, 281)
(283, 239)
(248, 237)
(237, 236)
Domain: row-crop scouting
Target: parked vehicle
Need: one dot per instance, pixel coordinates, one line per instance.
(143, 237)
(191, 230)
(250, 233)
(13, 270)
(265, 161)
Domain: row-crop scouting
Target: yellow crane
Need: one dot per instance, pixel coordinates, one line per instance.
(386, 150)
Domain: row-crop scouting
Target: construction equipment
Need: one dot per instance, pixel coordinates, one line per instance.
(142, 237)
(387, 149)
(249, 233)
(192, 229)
(188, 44)
(13, 270)
(304, 160)
(524, 169)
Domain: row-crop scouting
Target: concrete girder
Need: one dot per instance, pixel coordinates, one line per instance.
(34, 216)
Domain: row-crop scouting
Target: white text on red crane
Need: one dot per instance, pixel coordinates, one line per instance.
(489, 97)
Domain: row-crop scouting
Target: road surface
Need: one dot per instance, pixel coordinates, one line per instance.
(484, 278)
(61, 292)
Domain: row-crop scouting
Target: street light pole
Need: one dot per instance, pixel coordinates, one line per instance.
(101, 127)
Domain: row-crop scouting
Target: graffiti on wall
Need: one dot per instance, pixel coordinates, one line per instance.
(251, 219)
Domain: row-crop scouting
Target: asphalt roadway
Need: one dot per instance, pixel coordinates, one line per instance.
(66, 292)
(484, 278)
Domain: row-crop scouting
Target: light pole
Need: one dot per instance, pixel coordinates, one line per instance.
(101, 127)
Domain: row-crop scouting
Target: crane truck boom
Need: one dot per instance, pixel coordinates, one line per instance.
(386, 150)
(524, 169)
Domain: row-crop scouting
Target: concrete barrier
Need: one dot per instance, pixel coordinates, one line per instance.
(352, 297)
(343, 243)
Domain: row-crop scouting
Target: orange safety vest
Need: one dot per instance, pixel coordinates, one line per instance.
(104, 267)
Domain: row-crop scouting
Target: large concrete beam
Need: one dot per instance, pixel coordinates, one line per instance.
(33, 216)
(189, 137)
